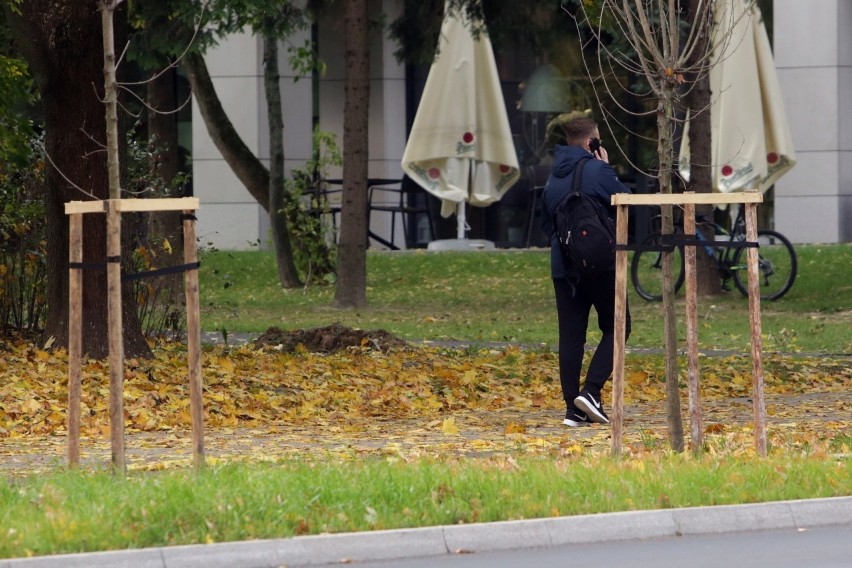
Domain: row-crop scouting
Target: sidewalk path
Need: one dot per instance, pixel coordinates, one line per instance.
(480, 433)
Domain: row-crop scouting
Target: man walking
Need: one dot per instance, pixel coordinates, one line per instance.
(576, 291)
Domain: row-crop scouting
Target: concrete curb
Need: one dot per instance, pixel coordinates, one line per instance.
(453, 539)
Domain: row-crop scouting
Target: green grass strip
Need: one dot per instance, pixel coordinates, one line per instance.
(71, 512)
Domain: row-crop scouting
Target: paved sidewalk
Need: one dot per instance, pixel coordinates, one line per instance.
(438, 542)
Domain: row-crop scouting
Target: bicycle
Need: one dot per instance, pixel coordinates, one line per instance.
(777, 264)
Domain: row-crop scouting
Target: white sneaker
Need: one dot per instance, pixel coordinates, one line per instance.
(574, 418)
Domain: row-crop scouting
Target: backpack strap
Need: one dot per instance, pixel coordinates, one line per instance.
(578, 174)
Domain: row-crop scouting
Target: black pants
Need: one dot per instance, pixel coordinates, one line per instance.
(573, 305)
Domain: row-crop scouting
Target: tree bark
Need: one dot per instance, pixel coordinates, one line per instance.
(164, 165)
(50, 34)
(246, 166)
(351, 290)
(162, 125)
(287, 274)
(665, 113)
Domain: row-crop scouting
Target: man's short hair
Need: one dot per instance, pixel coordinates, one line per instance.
(579, 129)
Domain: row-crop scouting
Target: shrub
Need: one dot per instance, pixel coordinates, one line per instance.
(309, 216)
(23, 255)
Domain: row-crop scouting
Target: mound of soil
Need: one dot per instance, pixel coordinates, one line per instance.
(329, 339)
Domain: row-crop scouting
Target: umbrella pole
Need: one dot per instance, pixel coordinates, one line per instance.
(461, 209)
(461, 216)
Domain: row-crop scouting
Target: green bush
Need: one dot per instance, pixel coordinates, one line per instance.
(309, 218)
(23, 255)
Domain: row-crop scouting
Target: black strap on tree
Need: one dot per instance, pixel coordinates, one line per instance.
(140, 275)
(95, 265)
(669, 242)
(137, 275)
(87, 265)
(161, 271)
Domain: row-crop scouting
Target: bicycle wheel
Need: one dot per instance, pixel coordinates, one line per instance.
(646, 269)
(777, 266)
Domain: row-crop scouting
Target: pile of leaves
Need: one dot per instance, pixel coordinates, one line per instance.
(328, 339)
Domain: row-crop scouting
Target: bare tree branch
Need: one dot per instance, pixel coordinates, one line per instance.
(149, 107)
(174, 64)
(61, 173)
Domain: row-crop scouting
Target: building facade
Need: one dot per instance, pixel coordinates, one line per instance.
(230, 218)
(812, 203)
(813, 55)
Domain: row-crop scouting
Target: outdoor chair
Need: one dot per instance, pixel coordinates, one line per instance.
(537, 175)
(329, 194)
(407, 201)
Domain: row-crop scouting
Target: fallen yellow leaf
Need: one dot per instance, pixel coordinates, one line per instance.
(449, 426)
(514, 428)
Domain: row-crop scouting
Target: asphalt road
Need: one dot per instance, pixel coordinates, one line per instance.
(824, 547)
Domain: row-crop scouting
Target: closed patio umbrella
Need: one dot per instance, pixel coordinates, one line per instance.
(751, 142)
(460, 146)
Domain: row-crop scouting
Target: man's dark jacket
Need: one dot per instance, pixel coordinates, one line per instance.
(598, 181)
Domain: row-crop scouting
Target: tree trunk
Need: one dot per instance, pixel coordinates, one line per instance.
(50, 34)
(287, 274)
(700, 144)
(246, 166)
(665, 151)
(164, 165)
(163, 125)
(351, 290)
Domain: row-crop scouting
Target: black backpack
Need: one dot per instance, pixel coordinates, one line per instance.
(585, 232)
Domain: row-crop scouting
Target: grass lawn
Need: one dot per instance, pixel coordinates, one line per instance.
(508, 296)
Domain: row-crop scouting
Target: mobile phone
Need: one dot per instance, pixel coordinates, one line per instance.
(594, 145)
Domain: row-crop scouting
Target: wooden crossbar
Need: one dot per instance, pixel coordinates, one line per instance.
(133, 205)
(684, 198)
(689, 200)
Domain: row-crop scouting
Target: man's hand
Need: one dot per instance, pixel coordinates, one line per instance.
(602, 155)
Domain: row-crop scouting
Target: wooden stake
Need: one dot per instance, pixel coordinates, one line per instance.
(620, 338)
(116, 340)
(113, 208)
(695, 426)
(756, 332)
(750, 199)
(75, 337)
(193, 331)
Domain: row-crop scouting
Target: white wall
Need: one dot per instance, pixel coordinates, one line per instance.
(813, 55)
(230, 218)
